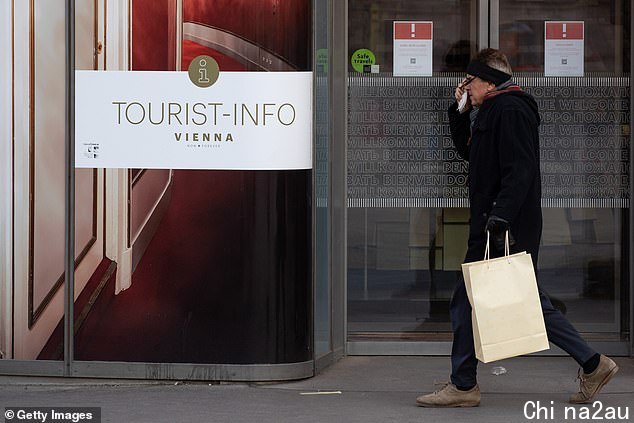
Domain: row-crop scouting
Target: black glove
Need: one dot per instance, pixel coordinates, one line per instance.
(497, 227)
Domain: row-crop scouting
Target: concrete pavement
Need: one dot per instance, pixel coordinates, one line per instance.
(356, 389)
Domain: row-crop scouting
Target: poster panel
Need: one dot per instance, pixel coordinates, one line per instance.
(563, 49)
(245, 121)
(413, 48)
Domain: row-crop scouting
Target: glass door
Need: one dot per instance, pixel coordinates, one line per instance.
(582, 84)
(407, 199)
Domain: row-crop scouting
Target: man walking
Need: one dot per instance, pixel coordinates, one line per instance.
(497, 132)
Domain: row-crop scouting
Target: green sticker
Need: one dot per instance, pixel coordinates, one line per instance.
(322, 60)
(362, 57)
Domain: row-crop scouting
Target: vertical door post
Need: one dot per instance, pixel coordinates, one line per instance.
(69, 215)
(338, 196)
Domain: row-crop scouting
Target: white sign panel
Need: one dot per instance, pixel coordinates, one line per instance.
(161, 120)
(563, 50)
(413, 48)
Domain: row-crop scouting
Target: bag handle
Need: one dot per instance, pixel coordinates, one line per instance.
(507, 248)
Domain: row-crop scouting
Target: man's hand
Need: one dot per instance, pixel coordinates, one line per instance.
(460, 90)
(497, 228)
(463, 100)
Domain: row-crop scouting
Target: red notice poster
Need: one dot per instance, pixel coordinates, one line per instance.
(563, 48)
(413, 42)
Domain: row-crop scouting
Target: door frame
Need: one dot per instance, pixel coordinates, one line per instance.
(338, 149)
(487, 35)
(118, 55)
(6, 182)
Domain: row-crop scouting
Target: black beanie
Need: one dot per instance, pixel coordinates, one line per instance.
(486, 72)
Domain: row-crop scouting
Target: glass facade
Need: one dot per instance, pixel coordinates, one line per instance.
(585, 158)
(212, 270)
(323, 292)
(408, 222)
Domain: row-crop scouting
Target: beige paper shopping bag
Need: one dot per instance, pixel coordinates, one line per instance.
(506, 311)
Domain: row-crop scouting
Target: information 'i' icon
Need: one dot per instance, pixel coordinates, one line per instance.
(203, 71)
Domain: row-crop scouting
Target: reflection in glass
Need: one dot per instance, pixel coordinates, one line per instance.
(370, 27)
(407, 215)
(606, 38)
(406, 239)
(585, 157)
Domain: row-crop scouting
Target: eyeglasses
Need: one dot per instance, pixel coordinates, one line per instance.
(467, 82)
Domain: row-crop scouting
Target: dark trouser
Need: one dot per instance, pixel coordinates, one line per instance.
(463, 360)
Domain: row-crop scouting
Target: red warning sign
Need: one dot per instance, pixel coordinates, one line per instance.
(413, 30)
(564, 30)
(413, 48)
(563, 48)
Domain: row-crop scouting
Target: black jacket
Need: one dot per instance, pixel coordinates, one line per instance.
(504, 175)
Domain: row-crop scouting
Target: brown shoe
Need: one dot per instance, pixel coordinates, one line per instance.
(591, 384)
(450, 396)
